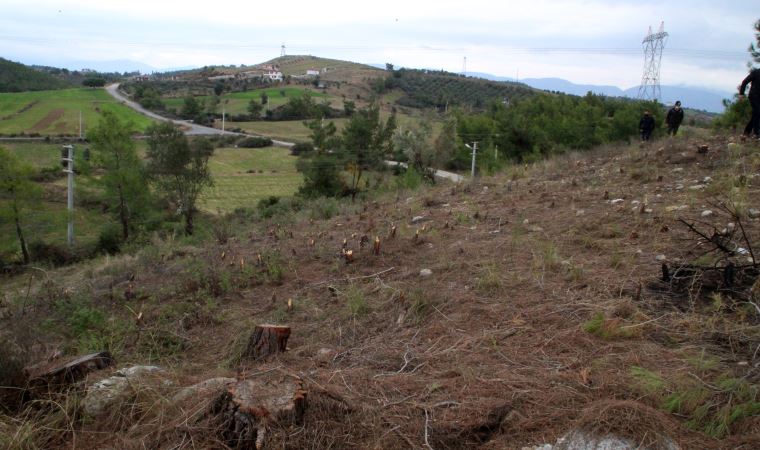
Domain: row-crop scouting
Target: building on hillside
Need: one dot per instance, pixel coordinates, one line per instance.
(312, 72)
(273, 75)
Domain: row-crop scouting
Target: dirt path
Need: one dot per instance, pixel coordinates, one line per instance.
(48, 120)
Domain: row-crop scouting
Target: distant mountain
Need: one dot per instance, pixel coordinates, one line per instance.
(16, 77)
(695, 98)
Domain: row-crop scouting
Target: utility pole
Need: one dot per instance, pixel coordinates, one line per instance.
(68, 164)
(474, 149)
(80, 124)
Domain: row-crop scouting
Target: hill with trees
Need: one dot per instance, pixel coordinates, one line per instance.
(16, 77)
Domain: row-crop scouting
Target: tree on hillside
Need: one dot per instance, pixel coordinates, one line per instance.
(123, 175)
(94, 82)
(19, 191)
(191, 108)
(366, 140)
(264, 98)
(178, 168)
(754, 48)
(254, 109)
(321, 167)
(445, 145)
(414, 142)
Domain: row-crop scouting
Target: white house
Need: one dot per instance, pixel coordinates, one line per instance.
(273, 75)
(312, 72)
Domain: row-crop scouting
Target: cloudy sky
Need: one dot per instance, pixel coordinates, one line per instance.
(584, 41)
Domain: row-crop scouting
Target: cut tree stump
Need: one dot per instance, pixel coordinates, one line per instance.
(59, 373)
(249, 407)
(267, 340)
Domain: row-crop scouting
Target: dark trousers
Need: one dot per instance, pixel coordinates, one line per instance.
(673, 129)
(754, 122)
(646, 134)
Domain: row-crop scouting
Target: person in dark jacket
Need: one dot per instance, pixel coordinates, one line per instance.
(646, 126)
(674, 118)
(754, 100)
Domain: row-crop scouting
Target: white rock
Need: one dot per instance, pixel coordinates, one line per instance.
(707, 180)
(579, 213)
(202, 388)
(753, 213)
(648, 210)
(101, 395)
(678, 169)
(676, 208)
(424, 273)
(526, 221)
(679, 187)
(418, 219)
(616, 201)
(697, 187)
(136, 371)
(635, 202)
(660, 258)
(536, 229)
(104, 393)
(707, 213)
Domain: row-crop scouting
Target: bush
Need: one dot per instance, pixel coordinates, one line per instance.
(52, 254)
(301, 148)
(109, 239)
(12, 379)
(254, 142)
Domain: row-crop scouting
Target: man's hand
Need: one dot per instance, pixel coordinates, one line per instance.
(741, 97)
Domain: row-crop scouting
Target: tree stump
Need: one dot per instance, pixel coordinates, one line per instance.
(249, 407)
(267, 340)
(58, 373)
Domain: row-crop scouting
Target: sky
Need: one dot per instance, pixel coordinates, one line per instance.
(583, 41)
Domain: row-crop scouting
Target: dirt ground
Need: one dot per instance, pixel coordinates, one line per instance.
(544, 311)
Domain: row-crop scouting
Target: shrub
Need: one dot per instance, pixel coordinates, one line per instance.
(301, 148)
(12, 379)
(254, 142)
(109, 239)
(52, 254)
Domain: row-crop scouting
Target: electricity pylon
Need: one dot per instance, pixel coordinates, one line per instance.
(653, 44)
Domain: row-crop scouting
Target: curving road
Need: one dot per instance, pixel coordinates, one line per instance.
(192, 129)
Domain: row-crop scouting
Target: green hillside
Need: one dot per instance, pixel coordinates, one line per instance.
(16, 77)
(424, 89)
(56, 112)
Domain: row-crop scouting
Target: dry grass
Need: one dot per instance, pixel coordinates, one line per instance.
(490, 351)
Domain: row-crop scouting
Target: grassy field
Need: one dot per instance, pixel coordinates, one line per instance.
(244, 176)
(237, 102)
(57, 112)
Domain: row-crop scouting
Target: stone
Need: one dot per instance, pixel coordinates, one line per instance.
(707, 180)
(697, 187)
(418, 219)
(103, 394)
(678, 169)
(424, 273)
(616, 201)
(535, 229)
(579, 213)
(706, 213)
(210, 386)
(660, 258)
(753, 213)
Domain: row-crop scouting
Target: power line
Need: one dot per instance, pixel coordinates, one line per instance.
(654, 44)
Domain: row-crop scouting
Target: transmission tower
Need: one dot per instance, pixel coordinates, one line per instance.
(653, 44)
(282, 49)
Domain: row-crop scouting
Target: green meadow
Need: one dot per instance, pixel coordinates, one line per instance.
(57, 112)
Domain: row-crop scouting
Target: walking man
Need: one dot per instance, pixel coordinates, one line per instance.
(674, 118)
(754, 100)
(646, 126)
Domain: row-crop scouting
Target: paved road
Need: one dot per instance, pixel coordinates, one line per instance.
(192, 129)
